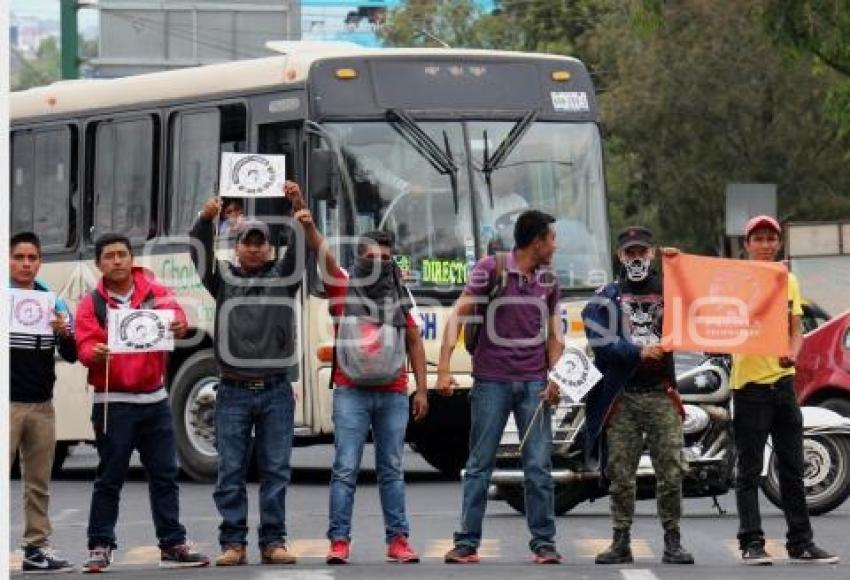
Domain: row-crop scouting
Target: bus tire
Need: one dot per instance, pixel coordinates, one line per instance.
(442, 437)
(567, 496)
(192, 399)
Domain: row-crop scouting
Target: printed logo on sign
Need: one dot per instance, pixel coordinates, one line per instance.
(570, 101)
(253, 174)
(141, 330)
(576, 368)
(29, 312)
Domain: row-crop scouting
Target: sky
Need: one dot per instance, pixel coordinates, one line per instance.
(49, 10)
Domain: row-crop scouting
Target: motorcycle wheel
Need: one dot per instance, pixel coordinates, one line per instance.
(826, 474)
(566, 496)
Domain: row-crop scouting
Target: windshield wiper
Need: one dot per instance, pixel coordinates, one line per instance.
(504, 149)
(442, 161)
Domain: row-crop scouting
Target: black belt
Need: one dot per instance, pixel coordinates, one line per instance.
(253, 384)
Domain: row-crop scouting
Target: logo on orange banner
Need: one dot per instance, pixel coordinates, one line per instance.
(725, 306)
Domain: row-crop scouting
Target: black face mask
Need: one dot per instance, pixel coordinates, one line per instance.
(383, 289)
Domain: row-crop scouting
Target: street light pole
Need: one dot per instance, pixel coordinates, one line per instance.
(69, 39)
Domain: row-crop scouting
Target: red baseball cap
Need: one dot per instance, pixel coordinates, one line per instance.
(762, 221)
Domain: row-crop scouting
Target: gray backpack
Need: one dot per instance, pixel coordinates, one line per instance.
(369, 352)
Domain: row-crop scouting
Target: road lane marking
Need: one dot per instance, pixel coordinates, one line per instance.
(638, 575)
(309, 548)
(140, 555)
(590, 547)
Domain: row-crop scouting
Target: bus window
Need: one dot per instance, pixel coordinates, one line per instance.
(124, 178)
(198, 137)
(43, 184)
(23, 155)
(53, 187)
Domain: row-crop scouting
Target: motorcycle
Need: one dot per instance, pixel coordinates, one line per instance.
(707, 447)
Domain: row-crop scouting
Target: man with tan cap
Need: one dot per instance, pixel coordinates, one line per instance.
(766, 405)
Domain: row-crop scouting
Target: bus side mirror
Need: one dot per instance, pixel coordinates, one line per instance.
(322, 174)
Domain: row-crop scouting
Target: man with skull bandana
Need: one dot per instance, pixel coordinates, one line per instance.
(637, 400)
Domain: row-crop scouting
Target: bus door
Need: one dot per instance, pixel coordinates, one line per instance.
(283, 138)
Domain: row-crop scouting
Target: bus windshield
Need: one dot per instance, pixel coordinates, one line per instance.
(419, 187)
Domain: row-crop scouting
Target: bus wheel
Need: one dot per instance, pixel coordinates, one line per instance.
(193, 393)
(442, 438)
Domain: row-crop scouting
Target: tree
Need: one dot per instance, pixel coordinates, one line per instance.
(821, 27)
(46, 68)
(705, 100)
(43, 70)
(432, 23)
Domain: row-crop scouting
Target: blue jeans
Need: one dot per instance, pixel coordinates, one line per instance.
(270, 413)
(355, 410)
(491, 402)
(149, 429)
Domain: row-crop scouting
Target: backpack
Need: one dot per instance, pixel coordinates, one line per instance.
(368, 351)
(472, 329)
(100, 307)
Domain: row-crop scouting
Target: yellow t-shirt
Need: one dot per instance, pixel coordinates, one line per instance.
(749, 368)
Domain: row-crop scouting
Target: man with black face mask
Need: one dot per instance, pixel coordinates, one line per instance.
(376, 334)
(623, 325)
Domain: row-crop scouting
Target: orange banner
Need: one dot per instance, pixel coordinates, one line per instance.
(725, 306)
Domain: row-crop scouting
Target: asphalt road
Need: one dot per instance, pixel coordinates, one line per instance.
(433, 504)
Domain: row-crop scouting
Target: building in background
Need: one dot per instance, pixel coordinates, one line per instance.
(138, 36)
(352, 20)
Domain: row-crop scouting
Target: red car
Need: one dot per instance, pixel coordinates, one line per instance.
(823, 366)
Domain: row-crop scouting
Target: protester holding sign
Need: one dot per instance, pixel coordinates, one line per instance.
(766, 405)
(131, 409)
(41, 324)
(637, 397)
(376, 334)
(255, 338)
(510, 365)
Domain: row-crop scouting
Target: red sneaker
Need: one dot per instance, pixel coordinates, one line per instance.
(339, 552)
(400, 551)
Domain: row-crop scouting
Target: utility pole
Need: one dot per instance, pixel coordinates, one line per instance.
(68, 39)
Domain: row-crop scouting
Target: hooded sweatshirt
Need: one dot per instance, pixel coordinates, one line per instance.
(130, 373)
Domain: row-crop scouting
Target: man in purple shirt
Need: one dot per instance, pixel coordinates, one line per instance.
(519, 342)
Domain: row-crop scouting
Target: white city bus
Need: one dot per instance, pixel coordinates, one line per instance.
(442, 147)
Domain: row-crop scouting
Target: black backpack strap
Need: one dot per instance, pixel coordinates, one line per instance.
(100, 306)
(499, 275)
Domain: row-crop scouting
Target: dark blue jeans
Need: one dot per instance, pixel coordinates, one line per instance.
(354, 412)
(269, 412)
(491, 403)
(149, 429)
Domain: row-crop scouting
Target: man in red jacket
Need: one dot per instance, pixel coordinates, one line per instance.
(138, 415)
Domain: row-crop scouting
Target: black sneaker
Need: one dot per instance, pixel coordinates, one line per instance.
(41, 560)
(100, 557)
(182, 556)
(755, 555)
(811, 554)
(546, 555)
(462, 554)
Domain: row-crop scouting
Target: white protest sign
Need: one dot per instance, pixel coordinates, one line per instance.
(575, 374)
(139, 330)
(251, 175)
(31, 311)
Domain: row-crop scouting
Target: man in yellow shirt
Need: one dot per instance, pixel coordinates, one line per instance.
(766, 404)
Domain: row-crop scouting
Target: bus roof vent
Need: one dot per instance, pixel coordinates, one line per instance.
(298, 46)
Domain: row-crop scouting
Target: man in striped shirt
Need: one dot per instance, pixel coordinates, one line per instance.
(31, 417)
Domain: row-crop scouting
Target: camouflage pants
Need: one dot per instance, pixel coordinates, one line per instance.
(653, 416)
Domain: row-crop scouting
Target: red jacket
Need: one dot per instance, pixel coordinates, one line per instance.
(128, 372)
